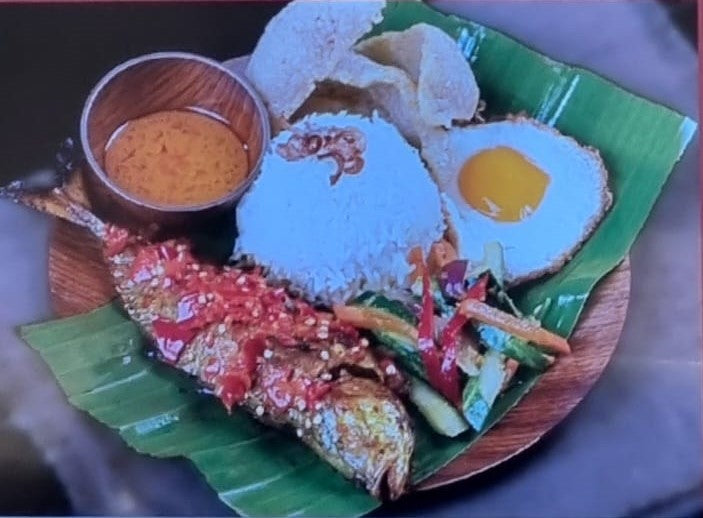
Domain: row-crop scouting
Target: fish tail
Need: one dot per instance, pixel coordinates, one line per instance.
(56, 202)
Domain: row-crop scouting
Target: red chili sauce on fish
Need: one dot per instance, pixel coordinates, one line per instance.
(230, 299)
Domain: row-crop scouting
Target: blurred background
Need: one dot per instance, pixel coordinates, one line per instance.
(55, 461)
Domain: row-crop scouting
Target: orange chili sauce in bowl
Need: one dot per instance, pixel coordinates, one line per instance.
(176, 158)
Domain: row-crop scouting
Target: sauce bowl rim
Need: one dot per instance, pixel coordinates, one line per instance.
(235, 194)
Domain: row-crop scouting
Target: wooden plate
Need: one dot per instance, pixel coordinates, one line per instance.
(80, 282)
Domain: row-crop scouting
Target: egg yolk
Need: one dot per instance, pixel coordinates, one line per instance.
(502, 184)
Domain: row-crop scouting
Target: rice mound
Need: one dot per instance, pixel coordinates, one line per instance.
(333, 242)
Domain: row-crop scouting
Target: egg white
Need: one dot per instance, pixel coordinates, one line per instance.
(575, 199)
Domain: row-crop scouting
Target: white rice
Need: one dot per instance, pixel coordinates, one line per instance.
(334, 242)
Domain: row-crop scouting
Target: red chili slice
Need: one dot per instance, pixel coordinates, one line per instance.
(116, 240)
(315, 392)
(146, 260)
(478, 289)
(440, 365)
(238, 377)
(172, 338)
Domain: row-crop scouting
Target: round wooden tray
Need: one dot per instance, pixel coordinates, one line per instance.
(80, 282)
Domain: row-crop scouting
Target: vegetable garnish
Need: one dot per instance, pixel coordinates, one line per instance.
(521, 328)
(372, 319)
(460, 333)
(481, 391)
(440, 364)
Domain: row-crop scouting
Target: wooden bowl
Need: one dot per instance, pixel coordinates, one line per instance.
(169, 81)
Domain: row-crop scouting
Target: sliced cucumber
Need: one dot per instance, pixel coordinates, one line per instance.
(513, 347)
(394, 307)
(439, 413)
(480, 392)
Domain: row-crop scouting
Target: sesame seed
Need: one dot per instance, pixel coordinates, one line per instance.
(256, 313)
(202, 299)
(322, 334)
(318, 405)
(210, 296)
(317, 419)
(167, 282)
(326, 376)
(391, 370)
(301, 404)
(259, 410)
(355, 349)
(221, 329)
(202, 275)
(364, 342)
(154, 283)
(240, 280)
(308, 423)
(268, 353)
(309, 321)
(298, 432)
(245, 289)
(324, 355)
(196, 267)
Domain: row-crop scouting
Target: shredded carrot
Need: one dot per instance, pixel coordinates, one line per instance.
(374, 320)
(441, 253)
(521, 328)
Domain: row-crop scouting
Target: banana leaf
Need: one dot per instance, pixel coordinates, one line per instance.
(100, 362)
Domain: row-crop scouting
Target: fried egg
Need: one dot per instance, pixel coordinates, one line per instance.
(523, 184)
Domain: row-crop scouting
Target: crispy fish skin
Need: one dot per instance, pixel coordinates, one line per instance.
(319, 379)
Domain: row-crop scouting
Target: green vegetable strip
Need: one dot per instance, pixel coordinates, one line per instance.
(481, 391)
(393, 307)
(443, 417)
(513, 347)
